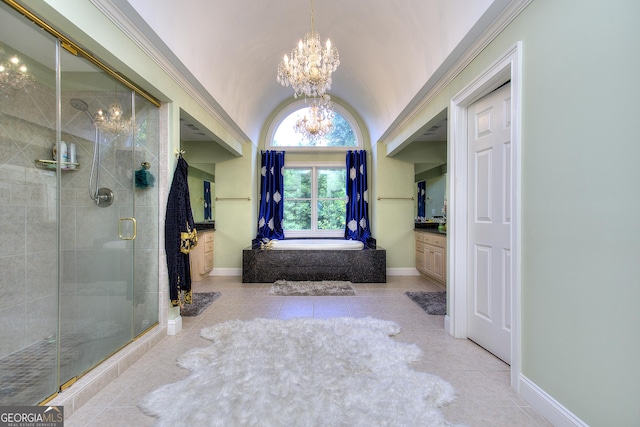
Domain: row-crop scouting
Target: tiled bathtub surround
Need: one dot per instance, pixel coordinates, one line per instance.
(368, 265)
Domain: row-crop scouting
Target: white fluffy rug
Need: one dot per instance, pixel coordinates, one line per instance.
(301, 372)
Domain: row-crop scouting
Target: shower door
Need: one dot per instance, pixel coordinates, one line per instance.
(78, 239)
(98, 218)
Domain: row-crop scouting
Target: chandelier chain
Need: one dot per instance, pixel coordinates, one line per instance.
(312, 19)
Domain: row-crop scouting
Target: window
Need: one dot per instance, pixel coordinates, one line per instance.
(345, 134)
(314, 191)
(314, 201)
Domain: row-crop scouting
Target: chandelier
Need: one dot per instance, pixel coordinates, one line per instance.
(13, 74)
(113, 121)
(317, 121)
(309, 69)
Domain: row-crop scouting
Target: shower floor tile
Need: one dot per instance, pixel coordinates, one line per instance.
(28, 376)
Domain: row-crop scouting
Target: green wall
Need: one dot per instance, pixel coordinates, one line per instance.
(393, 215)
(236, 220)
(580, 238)
(580, 72)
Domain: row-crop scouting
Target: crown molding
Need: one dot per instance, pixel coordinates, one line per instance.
(122, 14)
(433, 88)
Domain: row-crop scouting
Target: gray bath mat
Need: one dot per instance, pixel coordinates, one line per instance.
(431, 302)
(199, 302)
(312, 288)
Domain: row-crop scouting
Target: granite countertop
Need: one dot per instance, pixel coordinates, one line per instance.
(205, 226)
(430, 230)
(428, 227)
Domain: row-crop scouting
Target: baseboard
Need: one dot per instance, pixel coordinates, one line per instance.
(547, 406)
(226, 272)
(174, 326)
(402, 272)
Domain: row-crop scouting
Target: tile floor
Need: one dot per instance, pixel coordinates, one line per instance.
(481, 380)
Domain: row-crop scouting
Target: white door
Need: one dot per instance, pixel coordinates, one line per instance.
(489, 223)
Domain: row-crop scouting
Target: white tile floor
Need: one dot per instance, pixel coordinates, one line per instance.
(481, 380)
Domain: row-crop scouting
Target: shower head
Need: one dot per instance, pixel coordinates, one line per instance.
(79, 104)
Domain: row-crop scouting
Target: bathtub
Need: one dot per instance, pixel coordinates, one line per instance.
(315, 244)
(314, 259)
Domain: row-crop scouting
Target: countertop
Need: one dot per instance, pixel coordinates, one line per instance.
(430, 230)
(205, 226)
(428, 227)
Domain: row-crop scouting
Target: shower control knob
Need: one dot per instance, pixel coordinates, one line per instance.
(104, 197)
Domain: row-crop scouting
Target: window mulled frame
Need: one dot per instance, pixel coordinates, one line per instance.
(314, 167)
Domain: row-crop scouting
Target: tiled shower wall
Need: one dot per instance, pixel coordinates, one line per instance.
(28, 219)
(28, 216)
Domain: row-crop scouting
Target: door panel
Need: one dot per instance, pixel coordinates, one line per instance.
(482, 282)
(483, 189)
(490, 281)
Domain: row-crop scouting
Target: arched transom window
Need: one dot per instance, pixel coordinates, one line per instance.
(314, 189)
(344, 134)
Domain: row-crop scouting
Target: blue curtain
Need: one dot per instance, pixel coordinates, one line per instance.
(207, 200)
(357, 225)
(271, 196)
(422, 190)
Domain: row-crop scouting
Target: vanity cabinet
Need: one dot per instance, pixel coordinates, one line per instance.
(431, 252)
(201, 257)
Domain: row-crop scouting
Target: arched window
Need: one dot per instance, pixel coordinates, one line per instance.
(314, 190)
(344, 135)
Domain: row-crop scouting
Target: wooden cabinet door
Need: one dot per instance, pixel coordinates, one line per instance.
(428, 259)
(439, 265)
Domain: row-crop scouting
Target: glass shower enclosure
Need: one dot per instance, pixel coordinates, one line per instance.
(78, 231)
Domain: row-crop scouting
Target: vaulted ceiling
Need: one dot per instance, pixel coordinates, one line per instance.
(390, 51)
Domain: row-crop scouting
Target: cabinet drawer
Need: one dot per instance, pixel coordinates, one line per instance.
(208, 262)
(208, 246)
(208, 237)
(419, 236)
(434, 239)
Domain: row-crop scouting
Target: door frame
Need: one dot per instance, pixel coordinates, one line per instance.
(505, 68)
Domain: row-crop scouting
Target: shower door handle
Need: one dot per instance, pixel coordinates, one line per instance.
(135, 228)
